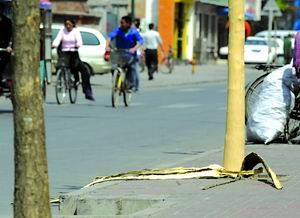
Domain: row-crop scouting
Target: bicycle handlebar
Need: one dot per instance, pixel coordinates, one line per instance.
(265, 67)
(4, 49)
(120, 50)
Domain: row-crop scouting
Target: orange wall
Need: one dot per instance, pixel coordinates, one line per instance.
(166, 22)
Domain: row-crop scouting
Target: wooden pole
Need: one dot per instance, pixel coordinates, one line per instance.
(235, 123)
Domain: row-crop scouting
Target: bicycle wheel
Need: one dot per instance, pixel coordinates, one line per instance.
(293, 125)
(44, 89)
(142, 65)
(72, 88)
(116, 86)
(127, 92)
(171, 65)
(164, 66)
(252, 92)
(61, 86)
(293, 130)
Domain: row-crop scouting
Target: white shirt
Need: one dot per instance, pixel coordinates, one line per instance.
(71, 41)
(152, 39)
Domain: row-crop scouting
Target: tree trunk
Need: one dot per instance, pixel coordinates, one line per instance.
(235, 123)
(31, 194)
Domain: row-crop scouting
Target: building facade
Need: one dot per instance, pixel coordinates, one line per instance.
(190, 27)
(76, 9)
(109, 11)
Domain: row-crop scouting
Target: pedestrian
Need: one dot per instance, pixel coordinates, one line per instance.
(139, 52)
(152, 41)
(127, 37)
(287, 49)
(137, 24)
(70, 40)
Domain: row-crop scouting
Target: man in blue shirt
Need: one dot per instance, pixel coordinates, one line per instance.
(127, 37)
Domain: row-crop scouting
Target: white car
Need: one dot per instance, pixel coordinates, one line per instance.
(279, 34)
(91, 52)
(279, 47)
(223, 52)
(256, 50)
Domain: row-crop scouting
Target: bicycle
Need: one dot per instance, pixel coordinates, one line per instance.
(167, 63)
(6, 90)
(142, 63)
(253, 89)
(65, 82)
(43, 78)
(121, 60)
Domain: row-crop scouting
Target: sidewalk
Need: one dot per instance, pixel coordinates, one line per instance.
(182, 75)
(185, 198)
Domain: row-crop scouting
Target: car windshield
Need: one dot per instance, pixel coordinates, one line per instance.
(255, 42)
(89, 38)
(274, 44)
(54, 33)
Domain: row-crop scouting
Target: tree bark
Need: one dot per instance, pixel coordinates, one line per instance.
(31, 193)
(235, 123)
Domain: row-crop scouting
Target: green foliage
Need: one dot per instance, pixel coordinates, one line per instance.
(283, 4)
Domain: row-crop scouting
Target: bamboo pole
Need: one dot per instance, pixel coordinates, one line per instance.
(235, 122)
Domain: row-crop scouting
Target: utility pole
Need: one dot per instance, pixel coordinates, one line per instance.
(132, 9)
(31, 192)
(235, 123)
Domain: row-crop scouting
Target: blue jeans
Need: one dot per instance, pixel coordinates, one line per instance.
(134, 68)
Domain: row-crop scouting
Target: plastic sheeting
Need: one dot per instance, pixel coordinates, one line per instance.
(273, 105)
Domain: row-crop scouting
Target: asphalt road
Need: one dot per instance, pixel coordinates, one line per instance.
(163, 127)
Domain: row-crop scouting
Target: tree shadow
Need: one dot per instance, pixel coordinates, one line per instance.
(75, 117)
(68, 188)
(183, 153)
(6, 111)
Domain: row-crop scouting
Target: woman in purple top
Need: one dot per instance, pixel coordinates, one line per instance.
(70, 40)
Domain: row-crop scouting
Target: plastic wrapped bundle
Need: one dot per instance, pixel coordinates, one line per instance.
(271, 110)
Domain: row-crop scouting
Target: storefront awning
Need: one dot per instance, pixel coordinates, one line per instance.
(45, 4)
(216, 2)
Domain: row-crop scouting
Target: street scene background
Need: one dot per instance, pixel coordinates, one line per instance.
(177, 119)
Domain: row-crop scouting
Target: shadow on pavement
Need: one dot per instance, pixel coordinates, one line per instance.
(6, 111)
(184, 153)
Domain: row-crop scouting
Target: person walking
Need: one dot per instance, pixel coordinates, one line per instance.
(287, 49)
(139, 52)
(127, 37)
(296, 53)
(70, 40)
(152, 41)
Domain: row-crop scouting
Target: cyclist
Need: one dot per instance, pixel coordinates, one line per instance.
(70, 39)
(127, 37)
(296, 54)
(5, 42)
